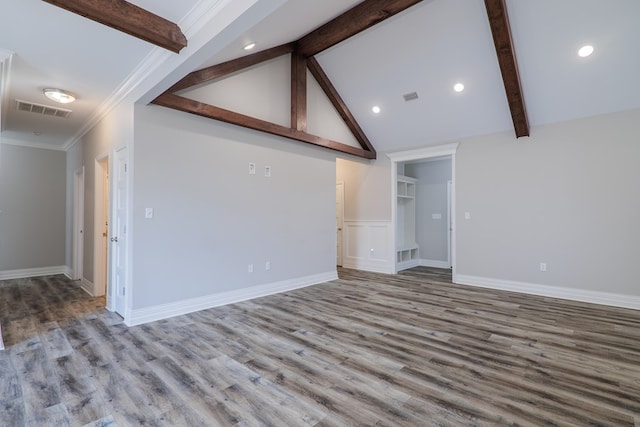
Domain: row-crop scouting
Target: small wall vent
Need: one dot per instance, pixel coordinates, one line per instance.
(410, 96)
(45, 110)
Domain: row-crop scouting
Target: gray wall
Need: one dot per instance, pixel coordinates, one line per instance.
(431, 198)
(32, 205)
(212, 218)
(569, 196)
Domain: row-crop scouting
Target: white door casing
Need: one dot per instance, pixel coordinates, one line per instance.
(100, 220)
(118, 239)
(339, 221)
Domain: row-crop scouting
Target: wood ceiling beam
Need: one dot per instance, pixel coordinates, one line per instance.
(501, 31)
(205, 110)
(220, 70)
(359, 18)
(130, 19)
(340, 106)
(298, 92)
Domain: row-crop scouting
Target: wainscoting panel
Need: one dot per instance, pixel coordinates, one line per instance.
(368, 246)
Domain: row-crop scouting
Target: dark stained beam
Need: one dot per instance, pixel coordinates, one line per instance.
(130, 19)
(359, 18)
(201, 109)
(499, 22)
(298, 92)
(225, 68)
(335, 98)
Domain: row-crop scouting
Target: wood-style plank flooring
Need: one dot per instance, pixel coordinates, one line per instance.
(367, 349)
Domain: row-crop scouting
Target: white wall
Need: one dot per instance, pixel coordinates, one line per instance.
(74, 162)
(32, 208)
(212, 218)
(567, 196)
(431, 198)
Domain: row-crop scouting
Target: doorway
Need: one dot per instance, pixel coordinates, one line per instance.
(424, 154)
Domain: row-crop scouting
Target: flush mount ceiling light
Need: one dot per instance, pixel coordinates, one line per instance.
(375, 109)
(59, 95)
(249, 46)
(585, 51)
(458, 87)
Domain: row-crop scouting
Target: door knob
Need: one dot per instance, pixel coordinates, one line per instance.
(114, 239)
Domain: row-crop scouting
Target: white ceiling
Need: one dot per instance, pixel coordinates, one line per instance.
(425, 49)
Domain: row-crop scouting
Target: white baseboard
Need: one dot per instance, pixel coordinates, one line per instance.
(364, 265)
(435, 264)
(164, 311)
(32, 272)
(408, 264)
(88, 286)
(595, 297)
(68, 272)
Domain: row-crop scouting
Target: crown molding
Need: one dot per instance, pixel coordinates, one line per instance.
(6, 141)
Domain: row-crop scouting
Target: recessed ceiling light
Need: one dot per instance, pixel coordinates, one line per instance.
(585, 51)
(375, 109)
(249, 46)
(458, 87)
(59, 95)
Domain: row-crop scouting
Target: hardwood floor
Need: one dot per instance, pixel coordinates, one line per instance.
(368, 349)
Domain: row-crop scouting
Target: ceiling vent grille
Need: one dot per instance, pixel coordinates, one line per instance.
(410, 96)
(45, 110)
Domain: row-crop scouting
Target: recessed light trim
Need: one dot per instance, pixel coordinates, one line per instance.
(376, 109)
(458, 87)
(59, 95)
(249, 46)
(585, 51)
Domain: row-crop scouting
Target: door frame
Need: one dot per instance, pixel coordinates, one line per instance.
(423, 154)
(77, 255)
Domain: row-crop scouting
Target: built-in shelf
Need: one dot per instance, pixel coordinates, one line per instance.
(407, 253)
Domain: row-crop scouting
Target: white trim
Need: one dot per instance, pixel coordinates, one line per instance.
(27, 144)
(164, 311)
(33, 272)
(68, 272)
(88, 287)
(6, 61)
(434, 263)
(582, 295)
(364, 265)
(423, 153)
(404, 265)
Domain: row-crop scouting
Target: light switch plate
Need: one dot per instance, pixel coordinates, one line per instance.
(148, 213)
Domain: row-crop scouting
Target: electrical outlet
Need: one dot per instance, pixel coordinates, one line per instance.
(267, 265)
(543, 266)
(267, 171)
(250, 268)
(252, 168)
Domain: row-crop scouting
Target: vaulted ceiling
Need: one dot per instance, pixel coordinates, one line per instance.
(425, 49)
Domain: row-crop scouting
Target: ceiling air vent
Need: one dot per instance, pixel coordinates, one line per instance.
(45, 110)
(410, 96)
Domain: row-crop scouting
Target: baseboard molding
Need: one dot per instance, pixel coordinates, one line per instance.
(164, 311)
(434, 263)
(1, 340)
(88, 286)
(364, 265)
(582, 295)
(404, 265)
(32, 272)
(68, 272)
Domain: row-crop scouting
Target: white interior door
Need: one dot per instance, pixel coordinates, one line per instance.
(339, 221)
(118, 283)
(78, 224)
